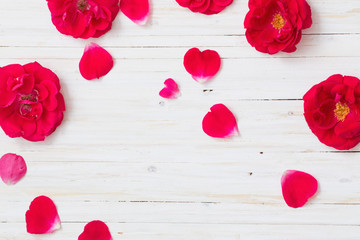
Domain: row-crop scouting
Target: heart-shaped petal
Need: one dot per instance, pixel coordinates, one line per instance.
(220, 122)
(95, 62)
(202, 65)
(42, 216)
(95, 230)
(12, 168)
(136, 10)
(297, 187)
(171, 89)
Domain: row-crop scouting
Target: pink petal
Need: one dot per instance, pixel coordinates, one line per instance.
(136, 10)
(171, 89)
(297, 187)
(95, 230)
(220, 122)
(42, 216)
(202, 65)
(95, 62)
(12, 168)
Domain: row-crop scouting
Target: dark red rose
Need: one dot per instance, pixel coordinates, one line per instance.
(332, 111)
(276, 25)
(31, 105)
(207, 7)
(83, 18)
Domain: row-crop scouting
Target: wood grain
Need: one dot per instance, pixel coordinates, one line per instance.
(143, 165)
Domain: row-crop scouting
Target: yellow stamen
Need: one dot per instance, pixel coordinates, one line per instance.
(341, 111)
(278, 21)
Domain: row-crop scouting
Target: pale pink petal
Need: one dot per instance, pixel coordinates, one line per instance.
(171, 89)
(95, 62)
(297, 187)
(136, 10)
(12, 168)
(95, 230)
(220, 122)
(42, 216)
(202, 65)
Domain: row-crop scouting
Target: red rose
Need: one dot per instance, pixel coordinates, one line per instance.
(207, 7)
(83, 18)
(332, 111)
(275, 25)
(31, 105)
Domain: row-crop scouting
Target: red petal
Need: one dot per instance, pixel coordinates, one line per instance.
(12, 168)
(297, 187)
(95, 230)
(220, 122)
(6, 97)
(136, 10)
(95, 62)
(171, 89)
(42, 216)
(202, 65)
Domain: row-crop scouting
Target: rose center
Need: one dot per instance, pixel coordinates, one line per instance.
(33, 96)
(26, 105)
(341, 111)
(278, 21)
(25, 109)
(83, 5)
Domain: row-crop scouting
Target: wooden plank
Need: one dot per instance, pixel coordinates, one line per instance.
(238, 178)
(329, 17)
(164, 231)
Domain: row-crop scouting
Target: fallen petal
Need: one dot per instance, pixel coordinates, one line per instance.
(95, 230)
(42, 216)
(171, 89)
(297, 187)
(202, 65)
(95, 62)
(220, 122)
(136, 10)
(12, 168)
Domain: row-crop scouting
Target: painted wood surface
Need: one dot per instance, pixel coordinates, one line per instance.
(143, 165)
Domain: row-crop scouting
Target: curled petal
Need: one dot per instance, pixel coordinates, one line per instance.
(171, 89)
(95, 230)
(220, 122)
(136, 10)
(297, 187)
(95, 62)
(12, 168)
(42, 216)
(202, 65)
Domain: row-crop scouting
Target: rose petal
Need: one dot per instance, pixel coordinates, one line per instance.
(136, 10)
(171, 89)
(297, 187)
(16, 126)
(220, 122)
(42, 216)
(95, 230)
(202, 65)
(12, 168)
(95, 62)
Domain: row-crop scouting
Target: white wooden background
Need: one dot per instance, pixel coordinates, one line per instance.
(143, 164)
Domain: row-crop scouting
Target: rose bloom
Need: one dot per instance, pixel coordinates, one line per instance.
(207, 7)
(275, 25)
(332, 111)
(83, 18)
(31, 105)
